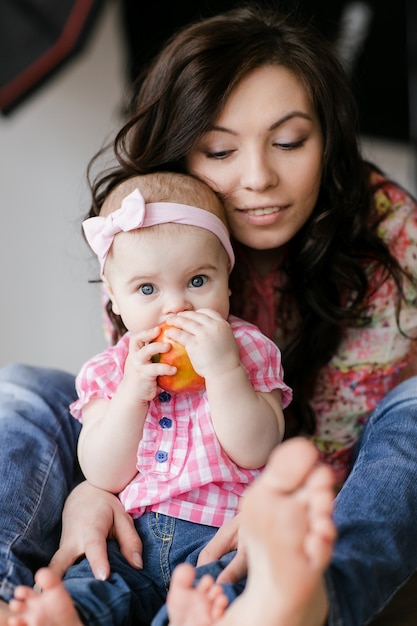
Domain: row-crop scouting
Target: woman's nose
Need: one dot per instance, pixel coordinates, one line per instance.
(259, 172)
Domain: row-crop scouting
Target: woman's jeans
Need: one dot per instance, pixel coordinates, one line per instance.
(376, 511)
(38, 441)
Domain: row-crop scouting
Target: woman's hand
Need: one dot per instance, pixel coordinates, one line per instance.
(225, 540)
(90, 516)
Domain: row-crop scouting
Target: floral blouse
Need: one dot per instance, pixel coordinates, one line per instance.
(368, 361)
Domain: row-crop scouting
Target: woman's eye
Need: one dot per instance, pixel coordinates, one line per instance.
(290, 145)
(198, 281)
(147, 289)
(218, 154)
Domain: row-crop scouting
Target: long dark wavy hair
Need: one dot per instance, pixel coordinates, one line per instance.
(330, 260)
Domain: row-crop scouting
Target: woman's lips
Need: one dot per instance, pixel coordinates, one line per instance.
(262, 216)
(263, 210)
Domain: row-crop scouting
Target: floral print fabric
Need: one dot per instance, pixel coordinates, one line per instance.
(369, 360)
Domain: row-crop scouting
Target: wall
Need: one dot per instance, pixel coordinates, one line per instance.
(49, 313)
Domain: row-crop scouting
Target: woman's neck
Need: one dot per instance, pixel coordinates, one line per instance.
(265, 261)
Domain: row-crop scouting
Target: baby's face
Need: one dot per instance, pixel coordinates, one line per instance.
(155, 272)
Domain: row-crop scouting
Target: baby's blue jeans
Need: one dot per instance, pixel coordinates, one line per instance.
(133, 596)
(376, 511)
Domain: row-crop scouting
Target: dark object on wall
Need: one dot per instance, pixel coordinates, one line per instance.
(377, 51)
(380, 67)
(36, 38)
(412, 67)
(146, 36)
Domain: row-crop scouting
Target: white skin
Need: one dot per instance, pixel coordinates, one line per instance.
(264, 157)
(191, 292)
(151, 280)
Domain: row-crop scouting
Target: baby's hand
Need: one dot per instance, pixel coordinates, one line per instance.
(208, 339)
(140, 371)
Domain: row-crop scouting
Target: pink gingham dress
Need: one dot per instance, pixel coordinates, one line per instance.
(183, 471)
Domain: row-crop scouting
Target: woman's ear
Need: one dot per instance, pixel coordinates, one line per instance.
(112, 297)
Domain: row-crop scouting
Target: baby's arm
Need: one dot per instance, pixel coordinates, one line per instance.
(248, 424)
(112, 429)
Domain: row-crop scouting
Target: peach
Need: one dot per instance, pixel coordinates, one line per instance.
(186, 379)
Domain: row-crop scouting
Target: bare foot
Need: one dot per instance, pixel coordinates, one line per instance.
(288, 533)
(4, 613)
(194, 606)
(52, 607)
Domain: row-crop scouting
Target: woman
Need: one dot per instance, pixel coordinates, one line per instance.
(258, 107)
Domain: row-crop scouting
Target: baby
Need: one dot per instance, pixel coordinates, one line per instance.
(179, 461)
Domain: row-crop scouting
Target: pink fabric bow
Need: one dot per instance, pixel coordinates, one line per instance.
(100, 231)
(134, 213)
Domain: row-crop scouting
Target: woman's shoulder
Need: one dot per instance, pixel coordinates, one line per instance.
(394, 213)
(390, 198)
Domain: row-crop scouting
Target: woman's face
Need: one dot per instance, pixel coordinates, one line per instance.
(264, 157)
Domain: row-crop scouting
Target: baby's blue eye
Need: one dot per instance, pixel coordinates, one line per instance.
(147, 290)
(198, 281)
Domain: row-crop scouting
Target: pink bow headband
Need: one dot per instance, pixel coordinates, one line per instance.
(134, 213)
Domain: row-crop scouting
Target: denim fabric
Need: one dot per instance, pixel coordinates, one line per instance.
(37, 466)
(376, 513)
(130, 596)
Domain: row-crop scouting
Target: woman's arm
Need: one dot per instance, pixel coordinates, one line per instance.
(90, 517)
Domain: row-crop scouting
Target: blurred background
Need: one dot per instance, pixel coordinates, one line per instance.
(65, 76)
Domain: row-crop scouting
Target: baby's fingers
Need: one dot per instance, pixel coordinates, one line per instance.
(144, 337)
